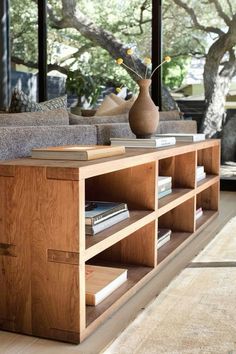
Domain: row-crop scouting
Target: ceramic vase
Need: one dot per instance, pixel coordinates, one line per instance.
(144, 114)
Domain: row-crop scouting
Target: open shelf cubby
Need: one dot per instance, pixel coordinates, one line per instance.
(44, 248)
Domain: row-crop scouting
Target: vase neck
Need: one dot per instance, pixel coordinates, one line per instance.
(144, 85)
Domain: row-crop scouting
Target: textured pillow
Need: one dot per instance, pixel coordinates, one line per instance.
(170, 115)
(20, 102)
(52, 117)
(54, 103)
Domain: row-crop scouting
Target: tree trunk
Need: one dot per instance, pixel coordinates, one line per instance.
(215, 111)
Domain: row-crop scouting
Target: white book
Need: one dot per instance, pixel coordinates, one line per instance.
(184, 137)
(153, 142)
(200, 170)
(162, 180)
(163, 241)
(201, 176)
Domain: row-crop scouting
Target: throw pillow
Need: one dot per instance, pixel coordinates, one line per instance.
(54, 103)
(20, 102)
(118, 109)
(107, 104)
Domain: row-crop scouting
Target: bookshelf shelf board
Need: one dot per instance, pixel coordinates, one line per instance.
(177, 238)
(207, 217)
(101, 241)
(178, 196)
(136, 274)
(206, 182)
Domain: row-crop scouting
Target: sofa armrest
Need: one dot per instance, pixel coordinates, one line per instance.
(18, 142)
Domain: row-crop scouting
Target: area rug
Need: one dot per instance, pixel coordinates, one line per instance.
(196, 313)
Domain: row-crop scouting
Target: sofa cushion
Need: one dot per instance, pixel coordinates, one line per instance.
(20, 102)
(75, 119)
(114, 130)
(18, 142)
(53, 117)
(181, 126)
(170, 115)
(122, 130)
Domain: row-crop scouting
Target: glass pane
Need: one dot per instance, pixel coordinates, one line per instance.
(24, 46)
(83, 55)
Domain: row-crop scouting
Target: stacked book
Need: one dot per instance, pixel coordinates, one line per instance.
(199, 213)
(101, 282)
(163, 237)
(164, 186)
(154, 142)
(200, 173)
(101, 215)
(184, 137)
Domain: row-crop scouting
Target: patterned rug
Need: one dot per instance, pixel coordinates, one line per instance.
(196, 313)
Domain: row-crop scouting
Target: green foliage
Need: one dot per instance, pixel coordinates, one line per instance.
(91, 65)
(175, 72)
(84, 86)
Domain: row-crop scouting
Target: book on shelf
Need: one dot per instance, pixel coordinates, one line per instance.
(201, 176)
(200, 170)
(164, 187)
(164, 236)
(97, 211)
(77, 152)
(165, 193)
(101, 282)
(164, 183)
(184, 137)
(198, 213)
(154, 142)
(105, 224)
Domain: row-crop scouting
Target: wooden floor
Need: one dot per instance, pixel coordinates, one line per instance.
(11, 343)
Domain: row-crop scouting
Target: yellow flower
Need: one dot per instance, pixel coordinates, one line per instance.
(130, 51)
(147, 61)
(119, 61)
(167, 59)
(118, 89)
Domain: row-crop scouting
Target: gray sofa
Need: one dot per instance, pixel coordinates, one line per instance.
(20, 132)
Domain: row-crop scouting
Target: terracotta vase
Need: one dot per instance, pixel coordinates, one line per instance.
(144, 114)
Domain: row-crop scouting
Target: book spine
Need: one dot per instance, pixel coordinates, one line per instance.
(94, 229)
(163, 194)
(106, 215)
(164, 187)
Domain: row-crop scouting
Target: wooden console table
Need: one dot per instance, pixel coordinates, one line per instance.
(43, 247)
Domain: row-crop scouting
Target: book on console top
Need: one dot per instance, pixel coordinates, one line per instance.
(153, 142)
(102, 281)
(184, 137)
(77, 152)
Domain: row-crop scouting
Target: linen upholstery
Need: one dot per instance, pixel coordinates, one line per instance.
(75, 119)
(122, 130)
(53, 117)
(17, 142)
